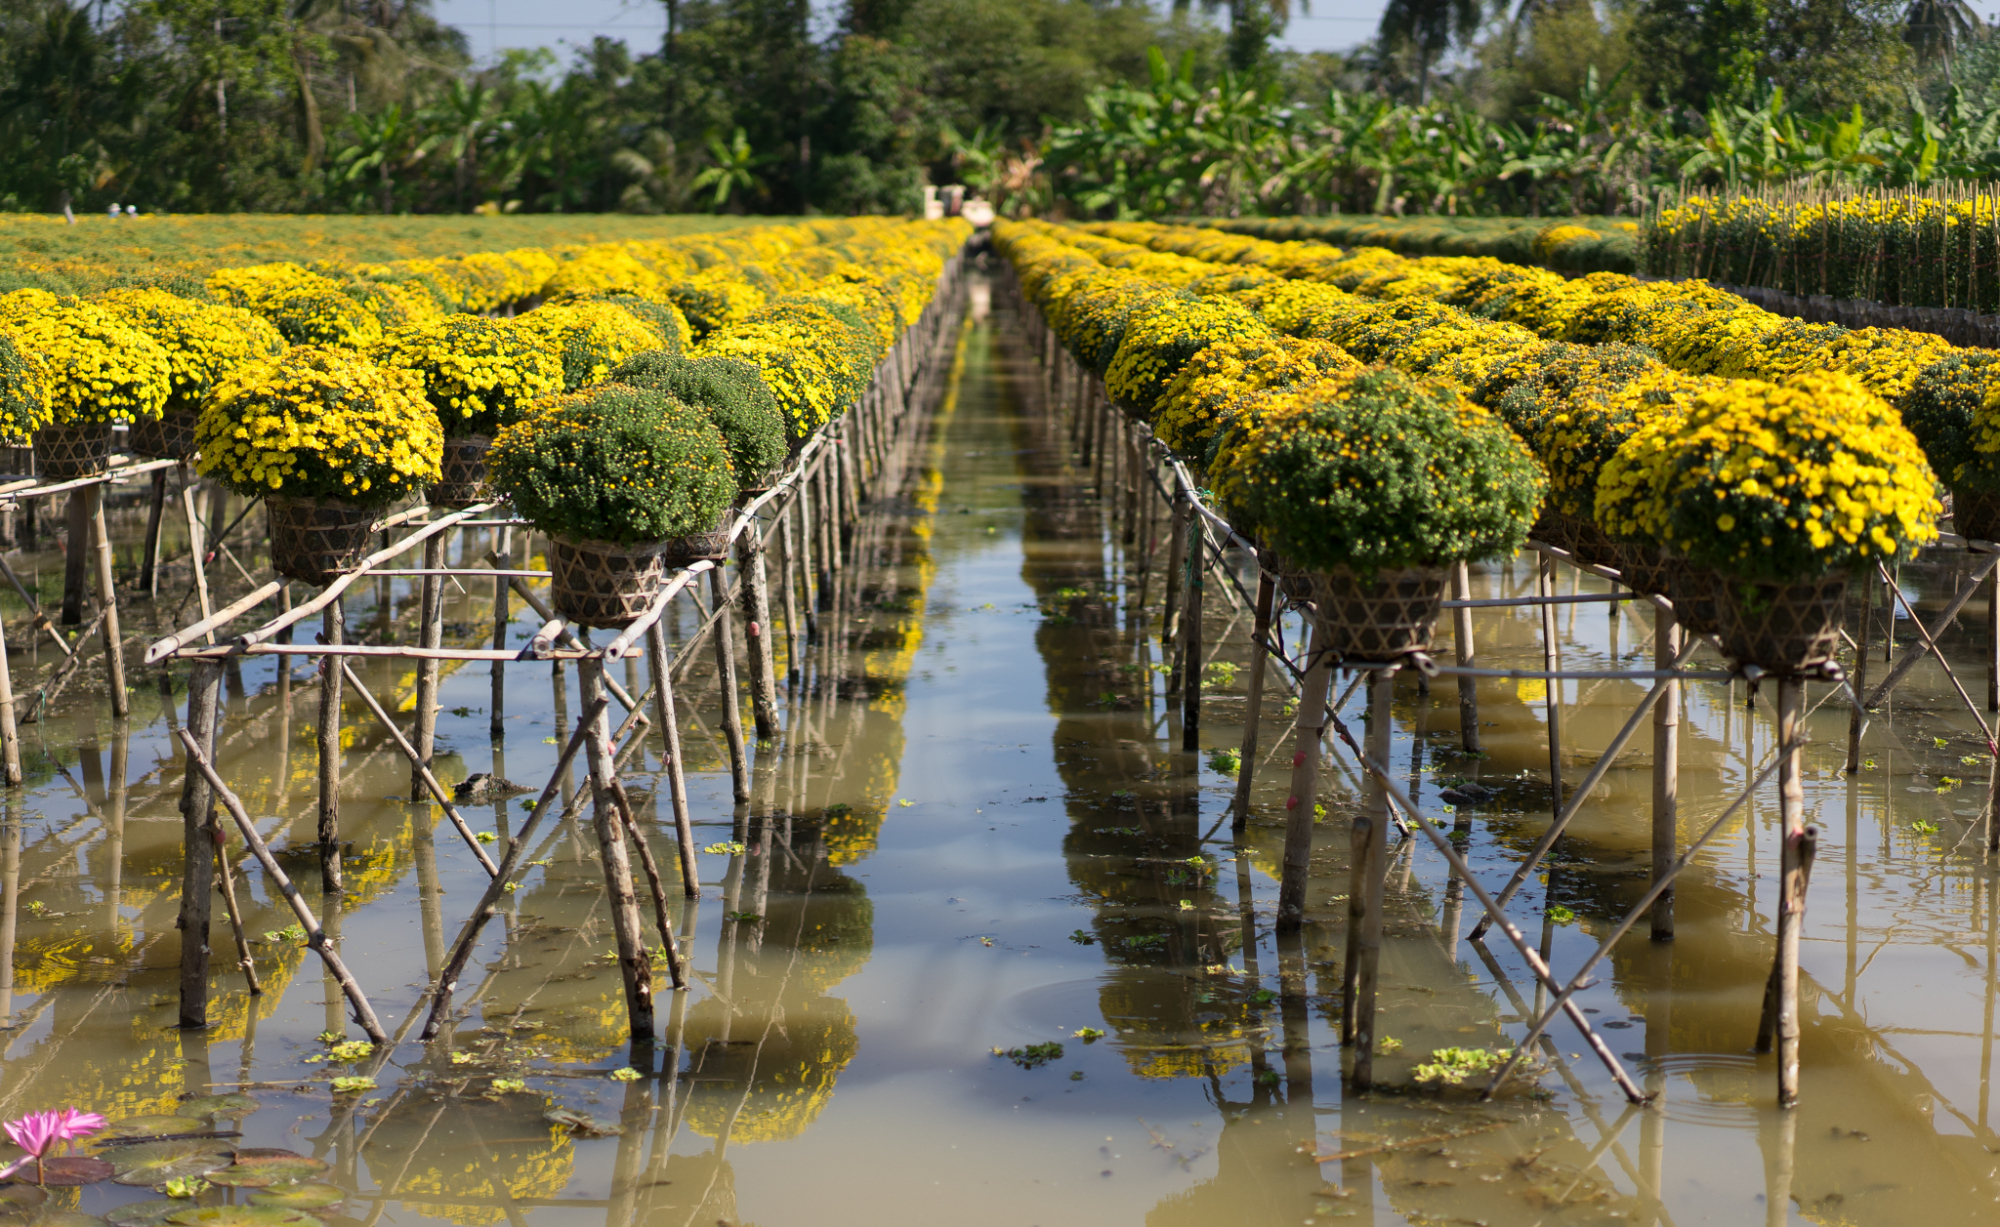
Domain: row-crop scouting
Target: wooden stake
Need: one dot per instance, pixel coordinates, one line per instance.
(197, 847)
(107, 595)
(635, 965)
(725, 671)
(1552, 700)
(364, 1016)
(1666, 771)
(334, 623)
(1856, 715)
(76, 558)
(1191, 649)
(670, 730)
(1368, 866)
(1260, 636)
(1461, 635)
(10, 731)
(156, 509)
(198, 547)
(503, 616)
(1176, 559)
(430, 632)
(228, 881)
(787, 577)
(757, 632)
(1299, 807)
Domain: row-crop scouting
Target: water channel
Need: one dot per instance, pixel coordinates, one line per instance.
(975, 840)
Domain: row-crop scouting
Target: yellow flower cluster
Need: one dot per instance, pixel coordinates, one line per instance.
(203, 341)
(308, 308)
(96, 367)
(1162, 336)
(1227, 376)
(24, 391)
(478, 373)
(1775, 481)
(320, 422)
(586, 338)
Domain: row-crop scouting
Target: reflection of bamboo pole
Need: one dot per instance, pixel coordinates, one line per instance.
(315, 937)
(1368, 863)
(10, 905)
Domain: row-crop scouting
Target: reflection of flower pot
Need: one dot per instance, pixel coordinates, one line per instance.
(464, 467)
(170, 438)
(1975, 514)
(1642, 566)
(315, 539)
(1784, 627)
(1380, 619)
(1692, 590)
(63, 452)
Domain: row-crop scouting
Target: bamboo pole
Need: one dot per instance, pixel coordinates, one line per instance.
(1260, 637)
(1177, 539)
(1368, 865)
(634, 964)
(107, 595)
(670, 730)
(197, 848)
(1666, 770)
(364, 1016)
(1300, 806)
(757, 631)
(334, 625)
(198, 548)
(1545, 575)
(1856, 714)
(1794, 858)
(228, 882)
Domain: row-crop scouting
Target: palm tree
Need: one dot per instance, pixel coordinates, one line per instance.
(1428, 28)
(735, 169)
(1935, 28)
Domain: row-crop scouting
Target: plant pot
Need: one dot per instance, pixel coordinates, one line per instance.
(65, 452)
(1643, 567)
(169, 438)
(1781, 627)
(1379, 620)
(604, 583)
(1552, 527)
(760, 485)
(1692, 590)
(463, 465)
(316, 539)
(1975, 514)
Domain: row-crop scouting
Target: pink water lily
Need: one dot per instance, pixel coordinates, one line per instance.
(38, 1131)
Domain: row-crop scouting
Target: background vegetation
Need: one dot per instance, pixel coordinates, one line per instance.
(1099, 107)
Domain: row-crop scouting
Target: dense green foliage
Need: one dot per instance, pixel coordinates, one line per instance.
(615, 463)
(735, 396)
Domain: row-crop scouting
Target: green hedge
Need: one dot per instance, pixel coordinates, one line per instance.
(1611, 246)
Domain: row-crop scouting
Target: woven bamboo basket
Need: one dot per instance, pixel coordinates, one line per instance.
(1692, 590)
(1782, 627)
(64, 452)
(315, 539)
(1643, 566)
(1379, 620)
(603, 583)
(760, 485)
(1552, 527)
(1589, 546)
(169, 438)
(1975, 514)
(464, 467)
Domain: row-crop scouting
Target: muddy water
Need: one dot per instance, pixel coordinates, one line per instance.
(975, 833)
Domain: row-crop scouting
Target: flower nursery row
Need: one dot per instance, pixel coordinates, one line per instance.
(1948, 396)
(1580, 244)
(1936, 247)
(644, 384)
(1369, 439)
